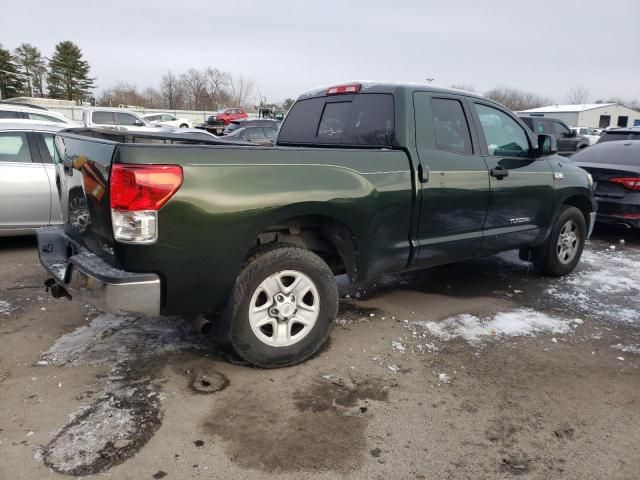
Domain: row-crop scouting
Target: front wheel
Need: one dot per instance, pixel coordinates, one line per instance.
(184, 125)
(560, 254)
(283, 307)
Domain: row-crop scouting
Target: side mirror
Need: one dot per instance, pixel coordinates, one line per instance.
(547, 145)
(138, 123)
(572, 133)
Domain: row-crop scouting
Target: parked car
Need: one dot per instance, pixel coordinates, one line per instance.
(236, 124)
(116, 119)
(568, 141)
(216, 123)
(589, 133)
(616, 134)
(168, 120)
(256, 135)
(615, 168)
(28, 194)
(365, 179)
(230, 114)
(9, 110)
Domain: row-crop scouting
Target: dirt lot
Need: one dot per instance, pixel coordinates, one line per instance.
(476, 370)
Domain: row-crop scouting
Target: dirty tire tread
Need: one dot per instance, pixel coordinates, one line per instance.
(545, 258)
(236, 327)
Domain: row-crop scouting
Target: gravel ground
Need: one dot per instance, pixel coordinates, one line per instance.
(475, 370)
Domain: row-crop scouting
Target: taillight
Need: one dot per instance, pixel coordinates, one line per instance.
(136, 193)
(340, 89)
(632, 183)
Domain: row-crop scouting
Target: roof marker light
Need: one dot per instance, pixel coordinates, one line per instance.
(342, 89)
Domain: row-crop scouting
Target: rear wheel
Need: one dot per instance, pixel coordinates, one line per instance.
(282, 308)
(184, 125)
(560, 254)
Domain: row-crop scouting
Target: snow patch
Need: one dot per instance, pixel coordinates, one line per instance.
(6, 308)
(517, 323)
(397, 345)
(118, 338)
(627, 348)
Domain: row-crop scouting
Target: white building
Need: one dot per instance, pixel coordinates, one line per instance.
(596, 115)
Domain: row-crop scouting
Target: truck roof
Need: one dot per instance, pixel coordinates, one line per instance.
(370, 86)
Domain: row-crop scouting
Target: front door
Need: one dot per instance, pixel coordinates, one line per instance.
(454, 186)
(521, 185)
(25, 195)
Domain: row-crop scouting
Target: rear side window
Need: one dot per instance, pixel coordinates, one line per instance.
(44, 118)
(450, 124)
(543, 127)
(104, 118)
(9, 114)
(354, 120)
(14, 147)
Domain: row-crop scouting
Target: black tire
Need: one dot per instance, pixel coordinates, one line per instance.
(184, 125)
(547, 257)
(235, 328)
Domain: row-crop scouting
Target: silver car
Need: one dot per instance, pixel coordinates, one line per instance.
(28, 193)
(118, 119)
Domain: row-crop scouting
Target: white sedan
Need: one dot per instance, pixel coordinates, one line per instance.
(591, 134)
(168, 120)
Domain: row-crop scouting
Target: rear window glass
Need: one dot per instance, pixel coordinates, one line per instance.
(8, 114)
(611, 136)
(357, 120)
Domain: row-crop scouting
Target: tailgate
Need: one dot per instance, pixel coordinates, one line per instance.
(82, 179)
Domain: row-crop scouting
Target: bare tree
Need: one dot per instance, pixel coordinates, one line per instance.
(171, 91)
(195, 88)
(217, 83)
(242, 90)
(152, 98)
(121, 94)
(515, 99)
(577, 95)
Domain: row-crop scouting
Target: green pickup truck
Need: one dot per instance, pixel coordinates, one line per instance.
(365, 178)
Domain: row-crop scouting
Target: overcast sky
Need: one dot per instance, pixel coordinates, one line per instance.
(289, 46)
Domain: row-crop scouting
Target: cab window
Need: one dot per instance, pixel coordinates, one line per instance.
(126, 119)
(560, 130)
(104, 118)
(503, 135)
(450, 125)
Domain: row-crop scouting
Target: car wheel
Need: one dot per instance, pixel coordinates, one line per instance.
(560, 254)
(184, 125)
(282, 308)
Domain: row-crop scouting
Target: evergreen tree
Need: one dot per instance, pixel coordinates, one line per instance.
(33, 65)
(11, 83)
(68, 76)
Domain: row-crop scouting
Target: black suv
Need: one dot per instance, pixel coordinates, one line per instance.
(568, 141)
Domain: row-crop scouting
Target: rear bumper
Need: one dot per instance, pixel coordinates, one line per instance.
(620, 211)
(86, 276)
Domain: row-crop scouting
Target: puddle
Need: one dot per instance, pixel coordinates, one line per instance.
(319, 428)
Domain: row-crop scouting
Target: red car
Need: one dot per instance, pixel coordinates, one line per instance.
(231, 114)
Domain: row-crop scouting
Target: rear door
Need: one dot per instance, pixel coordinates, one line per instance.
(25, 197)
(521, 185)
(455, 181)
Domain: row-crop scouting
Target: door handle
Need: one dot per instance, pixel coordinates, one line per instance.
(423, 173)
(499, 172)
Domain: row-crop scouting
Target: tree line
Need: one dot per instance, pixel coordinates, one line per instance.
(66, 75)
(26, 72)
